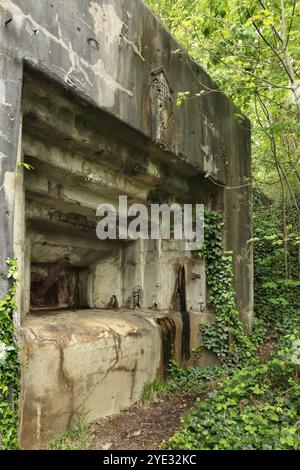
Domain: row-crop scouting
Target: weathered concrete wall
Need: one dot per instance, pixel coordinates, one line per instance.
(90, 364)
(74, 364)
(116, 55)
(56, 218)
(64, 189)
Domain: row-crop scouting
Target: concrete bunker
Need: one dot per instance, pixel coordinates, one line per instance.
(150, 288)
(99, 319)
(69, 171)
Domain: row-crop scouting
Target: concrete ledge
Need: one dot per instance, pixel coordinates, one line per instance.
(91, 363)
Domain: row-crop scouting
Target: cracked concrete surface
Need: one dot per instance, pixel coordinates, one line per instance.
(74, 361)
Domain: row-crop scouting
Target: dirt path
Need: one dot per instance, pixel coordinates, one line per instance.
(143, 426)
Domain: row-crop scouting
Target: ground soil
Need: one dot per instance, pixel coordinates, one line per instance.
(266, 349)
(143, 426)
(146, 426)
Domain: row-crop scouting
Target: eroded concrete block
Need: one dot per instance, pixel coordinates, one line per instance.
(90, 363)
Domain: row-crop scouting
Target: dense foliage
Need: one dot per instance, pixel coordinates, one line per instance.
(248, 402)
(182, 380)
(257, 406)
(9, 366)
(225, 336)
(276, 295)
(251, 50)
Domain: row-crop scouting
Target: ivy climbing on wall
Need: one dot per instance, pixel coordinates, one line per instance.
(9, 365)
(254, 406)
(225, 336)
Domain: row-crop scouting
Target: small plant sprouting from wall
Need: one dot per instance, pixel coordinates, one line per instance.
(225, 336)
(9, 365)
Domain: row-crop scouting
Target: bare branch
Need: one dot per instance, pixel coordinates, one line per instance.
(270, 46)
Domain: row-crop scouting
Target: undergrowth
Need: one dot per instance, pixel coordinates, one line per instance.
(257, 406)
(76, 438)
(180, 381)
(9, 366)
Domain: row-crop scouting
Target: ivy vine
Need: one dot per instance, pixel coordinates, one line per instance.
(225, 336)
(9, 365)
(256, 406)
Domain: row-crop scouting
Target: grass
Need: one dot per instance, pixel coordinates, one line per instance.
(76, 438)
(153, 391)
(180, 381)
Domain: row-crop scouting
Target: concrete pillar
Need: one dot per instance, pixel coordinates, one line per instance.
(11, 71)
